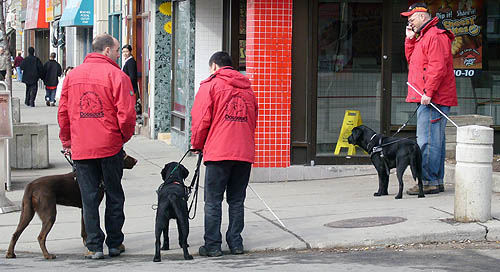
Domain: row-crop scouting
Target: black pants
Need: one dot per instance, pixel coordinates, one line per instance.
(2, 74)
(230, 177)
(89, 174)
(31, 90)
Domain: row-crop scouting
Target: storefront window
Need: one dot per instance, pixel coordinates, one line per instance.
(476, 60)
(349, 67)
(181, 63)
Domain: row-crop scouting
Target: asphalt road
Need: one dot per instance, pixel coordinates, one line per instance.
(465, 256)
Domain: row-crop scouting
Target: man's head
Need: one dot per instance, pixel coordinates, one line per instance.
(417, 15)
(106, 45)
(218, 60)
(19, 53)
(31, 51)
(1, 49)
(52, 56)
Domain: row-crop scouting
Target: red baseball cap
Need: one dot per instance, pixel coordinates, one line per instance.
(417, 7)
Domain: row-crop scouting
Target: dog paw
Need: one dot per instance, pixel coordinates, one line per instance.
(421, 196)
(157, 259)
(50, 256)
(10, 255)
(188, 257)
(399, 197)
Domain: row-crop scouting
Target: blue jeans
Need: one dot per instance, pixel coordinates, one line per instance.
(90, 174)
(232, 177)
(50, 95)
(19, 74)
(431, 139)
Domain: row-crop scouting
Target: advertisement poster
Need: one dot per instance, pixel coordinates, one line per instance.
(5, 116)
(465, 19)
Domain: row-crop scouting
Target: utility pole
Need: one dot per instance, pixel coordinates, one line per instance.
(4, 8)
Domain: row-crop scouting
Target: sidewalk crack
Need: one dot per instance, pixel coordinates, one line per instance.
(308, 246)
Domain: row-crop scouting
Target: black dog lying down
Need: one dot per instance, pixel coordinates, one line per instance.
(387, 153)
(172, 204)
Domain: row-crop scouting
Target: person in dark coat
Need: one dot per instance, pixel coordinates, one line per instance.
(32, 71)
(52, 72)
(130, 68)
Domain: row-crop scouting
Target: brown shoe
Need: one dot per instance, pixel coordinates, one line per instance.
(428, 189)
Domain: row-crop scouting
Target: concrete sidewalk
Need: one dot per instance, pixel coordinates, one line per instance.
(305, 207)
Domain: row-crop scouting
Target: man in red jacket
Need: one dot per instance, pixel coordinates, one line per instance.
(224, 117)
(430, 70)
(96, 118)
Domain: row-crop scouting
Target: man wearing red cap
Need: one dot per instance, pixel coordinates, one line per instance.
(430, 70)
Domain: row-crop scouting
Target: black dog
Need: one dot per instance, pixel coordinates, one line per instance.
(172, 204)
(387, 153)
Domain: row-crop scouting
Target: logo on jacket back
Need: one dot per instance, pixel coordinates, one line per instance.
(91, 106)
(236, 110)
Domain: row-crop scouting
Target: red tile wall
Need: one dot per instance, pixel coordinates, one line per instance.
(269, 67)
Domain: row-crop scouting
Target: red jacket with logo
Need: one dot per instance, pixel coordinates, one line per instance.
(431, 65)
(224, 117)
(96, 111)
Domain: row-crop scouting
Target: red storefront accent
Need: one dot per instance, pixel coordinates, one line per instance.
(269, 67)
(35, 15)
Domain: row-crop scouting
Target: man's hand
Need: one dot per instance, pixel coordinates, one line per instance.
(425, 100)
(195, 151)
(67, 151)
(409, 32)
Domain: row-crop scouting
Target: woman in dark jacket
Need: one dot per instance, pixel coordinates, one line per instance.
(130, 68)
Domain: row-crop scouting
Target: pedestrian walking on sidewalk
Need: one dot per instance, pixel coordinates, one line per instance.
(4, 63)
(52, 72)
(130, 68)
(17, 65)
(99, 100)
(430, 70)
(32, 69)
(224, 117)
(61, 82)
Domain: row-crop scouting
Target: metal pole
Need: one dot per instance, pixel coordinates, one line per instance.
(266, 205)
(432, 104)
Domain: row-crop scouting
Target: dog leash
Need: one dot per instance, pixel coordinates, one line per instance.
(194, 183)
(404, 125)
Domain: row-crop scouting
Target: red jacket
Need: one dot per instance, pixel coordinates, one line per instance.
(96, 112)
(431, 65)
(224, 117)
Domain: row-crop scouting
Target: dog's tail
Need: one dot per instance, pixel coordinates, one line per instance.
(416, 163)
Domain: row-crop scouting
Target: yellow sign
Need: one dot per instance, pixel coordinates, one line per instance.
(352, 119)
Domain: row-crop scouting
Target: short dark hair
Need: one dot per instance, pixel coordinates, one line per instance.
(220, 58)
(102, 41)
(31, 50)
(128, 46)
(53, 55)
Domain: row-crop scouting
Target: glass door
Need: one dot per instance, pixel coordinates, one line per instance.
(348, 68)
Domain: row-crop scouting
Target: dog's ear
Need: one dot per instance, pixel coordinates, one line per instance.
(184, 172)
(167, 169)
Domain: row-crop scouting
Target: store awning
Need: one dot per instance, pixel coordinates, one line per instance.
(35, 15)
(78, 13)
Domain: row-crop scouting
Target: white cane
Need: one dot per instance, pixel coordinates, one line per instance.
(266, 205)
(432, 104)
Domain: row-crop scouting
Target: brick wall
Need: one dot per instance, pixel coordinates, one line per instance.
(269, 67)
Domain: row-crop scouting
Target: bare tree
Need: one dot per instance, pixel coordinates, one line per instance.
(4, 8)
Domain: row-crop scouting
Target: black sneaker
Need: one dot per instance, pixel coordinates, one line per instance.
(237, 250)
(441, 188)
(116, 251)
(203, 251)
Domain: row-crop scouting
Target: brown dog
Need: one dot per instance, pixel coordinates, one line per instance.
(42, 195)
